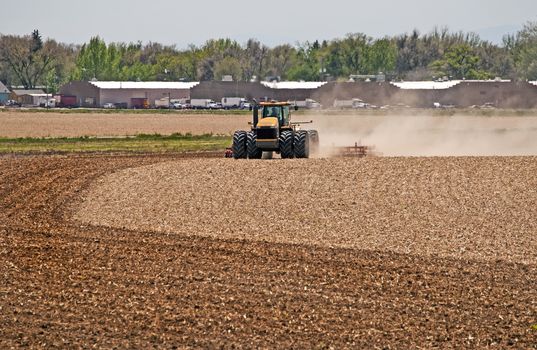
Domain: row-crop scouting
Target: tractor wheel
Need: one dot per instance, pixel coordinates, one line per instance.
(239, 145)
(251, 146)
(302, 144)
(314, 141)
(286, 144)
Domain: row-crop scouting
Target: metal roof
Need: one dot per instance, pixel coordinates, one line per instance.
(426, 85)
(294, 84)
(144, 85)
(27, 92)
(439, 85)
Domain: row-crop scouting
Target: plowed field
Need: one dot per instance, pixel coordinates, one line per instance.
(35, 124)
(393, 135)
(75, 275)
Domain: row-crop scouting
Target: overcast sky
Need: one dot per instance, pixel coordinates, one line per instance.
(272, 22)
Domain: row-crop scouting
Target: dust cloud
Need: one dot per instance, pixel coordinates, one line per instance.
(430, 135)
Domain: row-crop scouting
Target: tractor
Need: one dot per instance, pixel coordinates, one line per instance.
(272, 131)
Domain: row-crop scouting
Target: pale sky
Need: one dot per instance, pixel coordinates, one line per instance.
(272, 22)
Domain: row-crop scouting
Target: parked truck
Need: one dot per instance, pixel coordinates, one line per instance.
(234, 103)
(201, 103)
(307, 104)
(163, 103)
(66, 101)
(354, 103)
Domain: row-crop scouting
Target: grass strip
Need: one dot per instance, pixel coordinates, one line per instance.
(140, 143)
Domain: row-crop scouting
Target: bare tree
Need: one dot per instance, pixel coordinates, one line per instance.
(27, 56)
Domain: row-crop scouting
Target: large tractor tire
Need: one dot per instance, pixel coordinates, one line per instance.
(302, 144)
(286, 144)
(251, 146)
(239, 145)
(314, 141)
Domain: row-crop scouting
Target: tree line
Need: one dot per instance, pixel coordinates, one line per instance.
(30, 61)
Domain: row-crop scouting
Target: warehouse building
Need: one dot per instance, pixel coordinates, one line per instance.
(281, 91)
(423, 94)
(128, 94)
(33, 97)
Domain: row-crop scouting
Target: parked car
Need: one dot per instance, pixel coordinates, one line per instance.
(121, 105)
(12, 103)
(109, 105)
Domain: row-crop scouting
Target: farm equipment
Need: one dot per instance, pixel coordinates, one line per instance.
(272, 131)
(356, 151)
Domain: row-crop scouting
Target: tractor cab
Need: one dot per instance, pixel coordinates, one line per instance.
(280, 111)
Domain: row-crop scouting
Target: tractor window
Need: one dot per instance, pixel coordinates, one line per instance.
(273, 111)
(285, 115)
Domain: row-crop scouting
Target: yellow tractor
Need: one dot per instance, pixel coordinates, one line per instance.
(272, 131)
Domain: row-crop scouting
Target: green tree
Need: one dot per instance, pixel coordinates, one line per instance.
(92, 60)
(228, 66)
(523, 50)
(382, 56)
(307, 67)
(279, 60)
(212, 52)
(460, 62)
(52, 82)
(354, 54)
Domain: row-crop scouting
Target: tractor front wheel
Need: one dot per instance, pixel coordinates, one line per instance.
(286, 144)
(251, 146)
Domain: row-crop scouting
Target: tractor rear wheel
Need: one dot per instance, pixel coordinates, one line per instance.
(286, 144)
(239, 145)
(302, 144)
(251, 146)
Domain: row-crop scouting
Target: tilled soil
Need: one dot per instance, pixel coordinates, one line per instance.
(468, 207)
(68, 284)
(36, 124)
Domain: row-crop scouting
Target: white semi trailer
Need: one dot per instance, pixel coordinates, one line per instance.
(233, 102)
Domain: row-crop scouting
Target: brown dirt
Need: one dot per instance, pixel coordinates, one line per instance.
(467, 208)
(68, 284)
